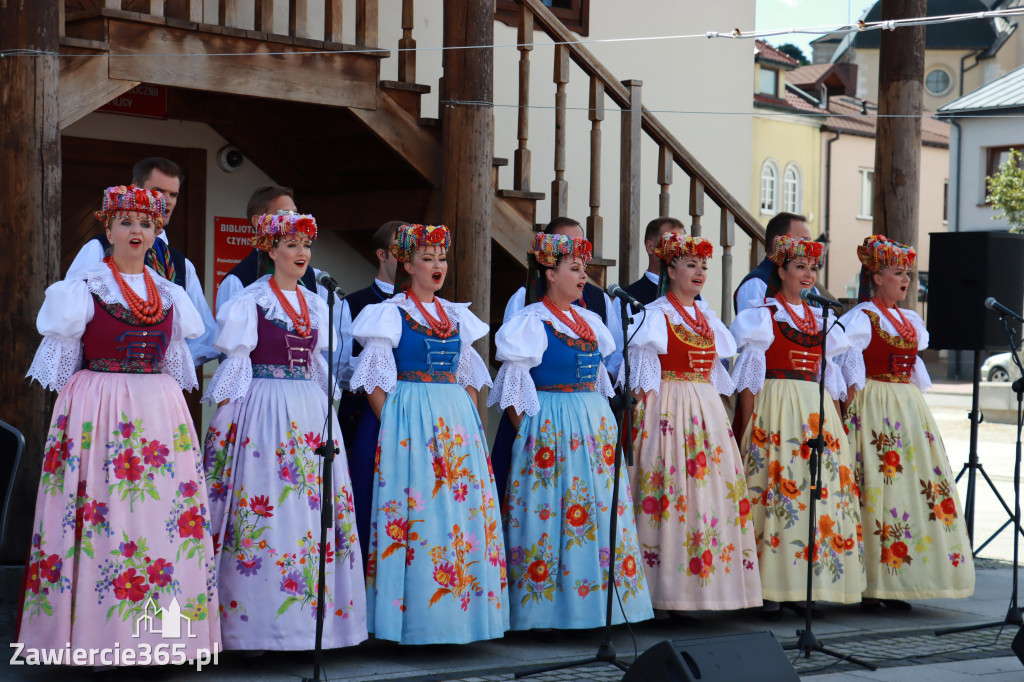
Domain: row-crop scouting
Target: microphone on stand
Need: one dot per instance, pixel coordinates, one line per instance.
(810, 297)
(992, 304)
(615, 291)
(324, 279)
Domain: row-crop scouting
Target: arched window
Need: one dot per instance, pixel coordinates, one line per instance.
(769, 187)
(792, 189)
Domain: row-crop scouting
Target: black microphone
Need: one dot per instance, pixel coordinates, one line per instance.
(992, 304)
(324, 279)
(809, 296)
(615, 291)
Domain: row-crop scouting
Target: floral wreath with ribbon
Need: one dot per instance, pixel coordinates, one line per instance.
(674, 245)
(547, 249)
(410, 237)
(789, 248)
(879, 252)
(134, 199)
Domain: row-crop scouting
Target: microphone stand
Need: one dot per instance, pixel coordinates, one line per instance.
(1013, 613)
(327, 450)
(807, 642)
(623, 408)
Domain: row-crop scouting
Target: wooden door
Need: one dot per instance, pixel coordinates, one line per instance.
(90, 166)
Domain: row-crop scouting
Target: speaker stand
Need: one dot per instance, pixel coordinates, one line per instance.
(973, 466)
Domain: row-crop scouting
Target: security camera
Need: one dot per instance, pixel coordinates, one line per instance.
(230, 158)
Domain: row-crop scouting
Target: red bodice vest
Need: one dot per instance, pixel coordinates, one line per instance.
(114, 341)
(889, 357)
(793, 354)
(690, 357)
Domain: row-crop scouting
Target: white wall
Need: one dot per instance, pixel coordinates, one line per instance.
(978, 134)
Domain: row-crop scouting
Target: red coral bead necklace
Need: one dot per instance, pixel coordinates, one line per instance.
(577, 323)
(300, 320)
(145, 311)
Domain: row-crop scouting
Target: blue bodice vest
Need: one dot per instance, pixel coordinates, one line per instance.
(568, 364)
(422, 356)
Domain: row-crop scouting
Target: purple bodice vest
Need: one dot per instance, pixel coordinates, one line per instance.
(281, 353)
(114, 341)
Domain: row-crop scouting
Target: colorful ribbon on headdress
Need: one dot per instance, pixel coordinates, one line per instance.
(159, 258)
(674, 245)
(271, 227)
(547, 248)
(788, 247)
(133, 199)
(878, 252)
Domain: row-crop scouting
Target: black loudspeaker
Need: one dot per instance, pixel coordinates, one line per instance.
(1018, 645)
(964, 269)
(727, 658)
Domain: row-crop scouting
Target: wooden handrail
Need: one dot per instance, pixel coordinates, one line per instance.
(557, 31)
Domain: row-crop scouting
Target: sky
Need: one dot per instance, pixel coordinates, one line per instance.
(783, 14)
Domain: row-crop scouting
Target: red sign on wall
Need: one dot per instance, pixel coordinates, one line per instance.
(230, 245)
(147, 101)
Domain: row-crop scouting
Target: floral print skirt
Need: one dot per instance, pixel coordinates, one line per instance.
(121, 536)
(436, 570)
(777, 461)
(690, 499)
(265, 487)
(915, 538)
(558, 514)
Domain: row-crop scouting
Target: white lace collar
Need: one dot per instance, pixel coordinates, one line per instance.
(672, 314)
(100, 281)
(541, 311)
(264, 296)
(405, 303)
(782, 316)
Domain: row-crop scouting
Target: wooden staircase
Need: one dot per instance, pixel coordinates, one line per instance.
(314, 114)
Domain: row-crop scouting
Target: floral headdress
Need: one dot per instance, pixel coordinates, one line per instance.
(412, 236)
(674, 245)
(273, 226)
(135, 199)
(878, 252)
(545, 253)
(788, 247)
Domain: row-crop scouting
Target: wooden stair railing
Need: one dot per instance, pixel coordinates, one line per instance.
(636, 121)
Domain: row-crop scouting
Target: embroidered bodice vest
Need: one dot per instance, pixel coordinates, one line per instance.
(114, 341)
(423, 356)
(889, 357)
(567, 365)
(280, 353)
(690, 357)
(793, 354)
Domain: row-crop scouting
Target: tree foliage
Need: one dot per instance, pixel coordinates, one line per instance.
(795, 52)
(1006, 191)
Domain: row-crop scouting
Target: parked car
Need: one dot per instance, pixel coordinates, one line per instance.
(999, 367)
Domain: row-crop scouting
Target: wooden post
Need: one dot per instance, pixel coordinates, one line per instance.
(298, 18)
(467, 143)
(334, 11)
(407, 44)
(560, 186)
(727, 239)
(228, 13)
(897, 185)
(630, 244)
(595, 223)
(696, 206)
(29, 217)
(366, 23)
(521, 158)
(263, 19)
(664, 178)
(192, 10)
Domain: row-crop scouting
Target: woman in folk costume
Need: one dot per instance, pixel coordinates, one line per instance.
(916, 544)
(436, 569)
(777, 374)
(688, 481)
(120, 529)
(261, 461)
(557, 510)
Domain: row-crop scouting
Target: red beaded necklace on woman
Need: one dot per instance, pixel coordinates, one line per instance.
(903, 328)
(442, 324)
(145, 311)
(807, 324)
(577, 323)
(300, 320)
(697, 322)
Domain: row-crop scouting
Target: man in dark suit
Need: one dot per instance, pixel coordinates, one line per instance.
(645, 289)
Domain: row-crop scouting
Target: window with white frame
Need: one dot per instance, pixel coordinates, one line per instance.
(867, 180)
(769, 187)
(792, 189)
(769, 82)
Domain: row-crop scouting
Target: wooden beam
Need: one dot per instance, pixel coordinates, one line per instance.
(521, 158)
(227, 13)
(30, 218)
(397, 128)
(188, 10)
(595, 223)
(298, 18)
(367, 23)
(560, 186)
(84, 85)
(664, 179)
(343, 80)
(696, 206)
(467, 142)
(630, 243)
(407, 44)
(263, 18)
(727, 238)
(334, 10)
